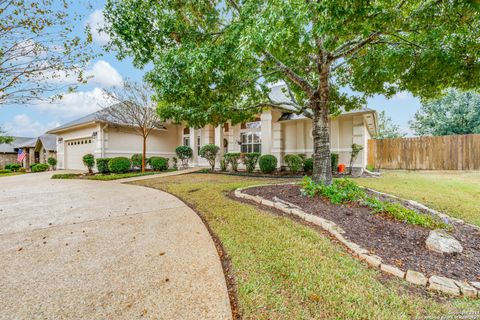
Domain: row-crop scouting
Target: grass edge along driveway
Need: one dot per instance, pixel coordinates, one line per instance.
(285, 270)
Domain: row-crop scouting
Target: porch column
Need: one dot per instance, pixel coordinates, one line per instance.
(193, 145)
(219, 142)
(266, 130)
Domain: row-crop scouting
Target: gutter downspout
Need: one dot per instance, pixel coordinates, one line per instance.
(102, 130)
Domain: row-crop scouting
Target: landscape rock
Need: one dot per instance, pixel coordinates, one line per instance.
(442, 242)
(442, 284)
(416, 277)
(373, 261)
(466, 289)
(267, 203)
(476, 284)
(392, 270)
(299, 213)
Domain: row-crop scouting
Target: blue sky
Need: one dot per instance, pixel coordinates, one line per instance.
(106, 71)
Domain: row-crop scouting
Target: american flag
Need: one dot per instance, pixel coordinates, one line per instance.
(21, 155)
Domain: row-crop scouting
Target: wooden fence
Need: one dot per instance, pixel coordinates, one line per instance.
(456, 152)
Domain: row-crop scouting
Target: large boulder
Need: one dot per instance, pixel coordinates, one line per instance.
(442, 242)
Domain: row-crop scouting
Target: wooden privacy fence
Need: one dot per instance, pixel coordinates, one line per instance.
(456, 152)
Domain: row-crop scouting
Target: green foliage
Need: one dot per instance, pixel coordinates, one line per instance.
(294, 163)
(387, 129)
(268, 163)
(370, 168)
(344, 191)
(3, 137)
(334, 160)
(66, 175)
(455, 113)
(13, 166)
(356, 148)
(223, 164)
(250, 160)
(232, 158)
(52, 162)
(119, 165)
(3, 171)
(175, 163)
(209, 152)
(39, 167)
(102, 165)
(308, 165)
(136, 160)
(184, 153)
(89, 161)
(159, 163)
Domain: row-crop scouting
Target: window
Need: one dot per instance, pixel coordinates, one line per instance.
(225, 127)
(251, 142)
(186, 141)
(198, 144)
(256, 124)
(186, 130)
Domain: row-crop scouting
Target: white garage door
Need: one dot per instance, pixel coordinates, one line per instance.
(75, 150)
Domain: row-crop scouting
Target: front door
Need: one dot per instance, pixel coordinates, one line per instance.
(37, 157)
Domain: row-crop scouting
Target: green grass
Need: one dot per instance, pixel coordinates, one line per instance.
(116, 176)
(10, 174)
(66, 175)
(285, 270)
(454, 193)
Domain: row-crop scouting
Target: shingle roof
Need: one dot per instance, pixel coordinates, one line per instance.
(49, 141)
(10, 147)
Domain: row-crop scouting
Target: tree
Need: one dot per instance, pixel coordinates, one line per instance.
(209, 152)
(455, 113)
(212, 60)
(4, 138)
(387, 129)
(133, 107)
(38, 49)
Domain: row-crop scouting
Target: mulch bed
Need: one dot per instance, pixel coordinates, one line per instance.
(397, 243)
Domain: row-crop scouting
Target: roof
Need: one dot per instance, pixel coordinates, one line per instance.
(49, 141)
(15, 144)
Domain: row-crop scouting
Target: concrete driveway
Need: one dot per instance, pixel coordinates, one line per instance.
(74, 249)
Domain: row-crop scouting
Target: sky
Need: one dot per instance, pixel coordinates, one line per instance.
(106, 71)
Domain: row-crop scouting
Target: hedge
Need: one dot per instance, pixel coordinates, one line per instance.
(119, 165)
(158, 163)
(268, 163)
(102, 165)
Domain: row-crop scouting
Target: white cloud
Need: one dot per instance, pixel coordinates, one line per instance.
(96, 21)
(24, 126)
(76, 104)
(104, 74)
(403, 95)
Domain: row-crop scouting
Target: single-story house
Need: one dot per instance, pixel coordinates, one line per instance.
(275, 131)
(38, 150)
(9, 151)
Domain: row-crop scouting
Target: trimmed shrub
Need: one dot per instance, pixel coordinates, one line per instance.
(356, 148)
(268, 163)
(39, 167)
(184, 153)
(52, 162)
(13, 167)
(250, 160)
(294, 163)
(2, 171)
(308, 165)
(137, 160)
(119, 165)
(159, 163)
(209, 152)
(231, 158)
(175, 163)
(102, 165)
(223, 164)
(334, 161)
(89, 161)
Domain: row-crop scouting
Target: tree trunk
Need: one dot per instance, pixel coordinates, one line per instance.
(144, 153)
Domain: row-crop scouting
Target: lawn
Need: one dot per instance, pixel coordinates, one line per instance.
(286, 270)
(106, 177)
(456, 193)
(10, 174)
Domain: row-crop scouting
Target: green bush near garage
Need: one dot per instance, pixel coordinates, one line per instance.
(137, 161)
(119, 165)
(158, 163)
(268, 163)
(89, 161)
(39, 167)
(102, 165)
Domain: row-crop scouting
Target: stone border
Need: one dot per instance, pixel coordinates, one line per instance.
(434, 283)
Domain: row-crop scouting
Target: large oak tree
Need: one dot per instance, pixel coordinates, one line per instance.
(211, 60)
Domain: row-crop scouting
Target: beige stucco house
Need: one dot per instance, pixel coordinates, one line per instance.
(274, 132)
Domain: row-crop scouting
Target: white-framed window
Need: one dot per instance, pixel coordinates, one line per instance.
(251, 142)
(186, 141)
(186, 136)
(198, 144)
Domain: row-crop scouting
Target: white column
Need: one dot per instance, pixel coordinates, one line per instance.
(219, 142)
(266, 119)
(193, 145)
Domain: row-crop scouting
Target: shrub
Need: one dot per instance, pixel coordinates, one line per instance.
(2, 171)
(268, 163)
(294, 163)
(52, 162)
(308, 165)
(184, 153)
(136, 160)
(334, 161)
(250, 160)
(22, 170)
(39, 167)
(102, 165)
(223, 164)
(209, 152)
(12, 167)
(159, 163)
(175, 163)
(356, 148)
(119, 165)
(89, 161)
(231, 158)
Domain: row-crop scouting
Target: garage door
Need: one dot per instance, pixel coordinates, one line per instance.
(75, 150)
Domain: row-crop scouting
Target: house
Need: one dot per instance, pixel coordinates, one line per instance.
(38, 150)
(274, 131)
(9, 151)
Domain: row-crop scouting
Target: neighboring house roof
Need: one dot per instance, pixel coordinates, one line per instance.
(49, 141)
(14, 145)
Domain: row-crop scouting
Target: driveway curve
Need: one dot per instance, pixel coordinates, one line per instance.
(75, 249)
